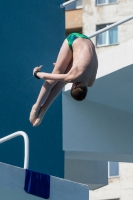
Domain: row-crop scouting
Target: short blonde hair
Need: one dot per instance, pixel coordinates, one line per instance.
(79, 93)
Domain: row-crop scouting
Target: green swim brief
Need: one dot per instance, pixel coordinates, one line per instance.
(73, 36)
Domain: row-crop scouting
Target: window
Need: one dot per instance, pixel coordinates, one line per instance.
(113, 169)
(109, 37)
(102, 2)
(74, 5)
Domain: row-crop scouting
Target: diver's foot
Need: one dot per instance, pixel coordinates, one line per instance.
(39, 117)
(33, 114)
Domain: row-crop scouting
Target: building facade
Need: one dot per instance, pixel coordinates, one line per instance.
(97, 14)
(88, 16)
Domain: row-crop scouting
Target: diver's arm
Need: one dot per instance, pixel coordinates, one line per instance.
(55, 77)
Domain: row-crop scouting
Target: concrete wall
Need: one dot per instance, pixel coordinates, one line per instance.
(90, 172)
(100, 127)
(96, 128)
(12, 181)
(102, 123)
(94, 15)
(29, 38)
(119, 187)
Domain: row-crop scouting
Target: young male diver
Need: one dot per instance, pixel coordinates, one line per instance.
(76, 63)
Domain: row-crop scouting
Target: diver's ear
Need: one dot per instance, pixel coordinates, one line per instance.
(74, 86)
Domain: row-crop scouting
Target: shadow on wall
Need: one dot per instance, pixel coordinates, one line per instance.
(114, 89)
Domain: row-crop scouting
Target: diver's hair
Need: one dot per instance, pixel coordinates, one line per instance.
(79, 93)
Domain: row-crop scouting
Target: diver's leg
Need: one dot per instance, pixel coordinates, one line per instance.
(44, 92)
(64, 57)
(60, 67)
(63, 60)
(52, 95)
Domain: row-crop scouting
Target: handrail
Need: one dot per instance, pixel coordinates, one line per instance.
(67, 3)
(26, 142)
(111, 26)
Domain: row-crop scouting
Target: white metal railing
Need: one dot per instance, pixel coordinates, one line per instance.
(67, 3)
(26, 144)
(111, 26)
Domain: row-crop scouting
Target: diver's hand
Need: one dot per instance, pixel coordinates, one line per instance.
(37, 69)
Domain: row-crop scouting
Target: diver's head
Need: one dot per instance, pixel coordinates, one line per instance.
(79, 91)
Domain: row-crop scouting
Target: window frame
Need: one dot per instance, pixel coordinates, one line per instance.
(107, 3)
(115, 176)
(107, 36)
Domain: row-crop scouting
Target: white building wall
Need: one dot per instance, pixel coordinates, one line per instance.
(100, 128)
(95, 15)
(102, 123)
(119, 188)
(122, 186)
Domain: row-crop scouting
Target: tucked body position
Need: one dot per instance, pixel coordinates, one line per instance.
(76, 63)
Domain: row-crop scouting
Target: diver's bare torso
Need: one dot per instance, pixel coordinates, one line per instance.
(85, 61)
